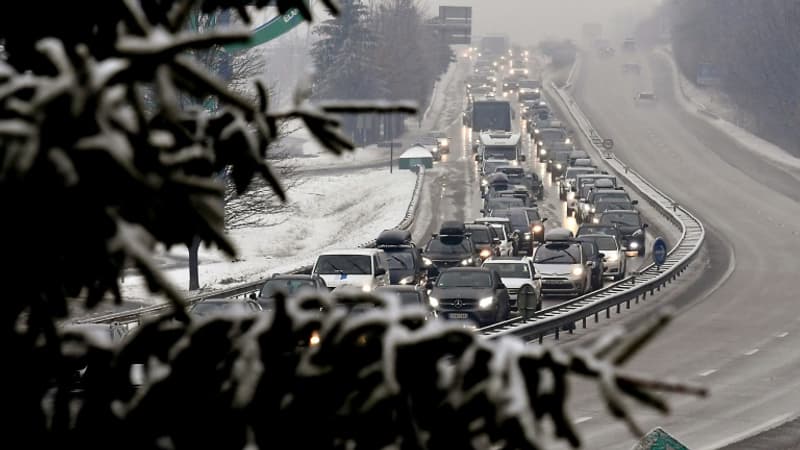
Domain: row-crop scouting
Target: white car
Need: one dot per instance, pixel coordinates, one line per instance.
(364, 267)
(519, 275)
(562, 267)
(614, 261)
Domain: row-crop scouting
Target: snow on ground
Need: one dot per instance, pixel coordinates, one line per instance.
(692, 99)
(327, 212)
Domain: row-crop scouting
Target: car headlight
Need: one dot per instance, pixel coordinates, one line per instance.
(515, 163)
(427, 262)
(484, 182)
(407, 280)
(526, 71)
(527, 236)
(535, 131)
(568, 141)
(595, 220)
(314, 339)
(466, 262)
(486, 302)
(594, 209)
(543, 151)
(578, 271)
(586, 207)
(485, 253)
(434, 302)
(558, 166)
(366, 288)
(477, 141)
(540, 142)
(537, 228)
(633, 245)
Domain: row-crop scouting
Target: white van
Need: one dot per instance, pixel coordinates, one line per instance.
(359, 267)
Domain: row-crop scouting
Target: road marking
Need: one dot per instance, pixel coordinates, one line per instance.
(707, 372)
(782, 335)
(751, 352)
(582, 419)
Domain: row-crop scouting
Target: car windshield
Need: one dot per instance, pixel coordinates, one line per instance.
(625, 219)
(552, 135)
(504, 203)
(610, 197)
(519, 221)
(464, 279)
(287, 286)
(603, 242)
(558, 254)
(349, 264)
(401, 260)
(449, 247)
(613, 204)
(597, 229)
(480, 236)
(510, 269)
(504, 152)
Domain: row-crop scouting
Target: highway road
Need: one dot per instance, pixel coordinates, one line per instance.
(739, 324)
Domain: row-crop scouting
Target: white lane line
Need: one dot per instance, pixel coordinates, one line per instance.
(751, 352)
(782, 335)
(581, 420)
(707, 372)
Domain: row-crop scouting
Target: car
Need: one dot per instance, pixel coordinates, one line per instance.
(600, 199)
(483, 239)
(212, 307)
(629, 44)
(289, 285)
(520, 226)
(405, 261)
(498, 203)
(520, 277)
(408, 295)
(496, 181)
(489, 166)
(615, 263)
(557, 162)
(442, 142)
(537, 224)
(645, 97)
(518, 176)
(562, 266)
(593, 228)
(362, 267)
(576, 155)
(508, 241)
(601, 206)
(518, 192)
(631, 67)
(471, 293)
(585, 184)
(592, 253)
(630, 224)
(567, 183)
(451, 247)
(546, 137)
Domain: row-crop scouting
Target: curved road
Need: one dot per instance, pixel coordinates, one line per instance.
(740, 324)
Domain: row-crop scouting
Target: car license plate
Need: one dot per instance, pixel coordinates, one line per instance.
(458, 315)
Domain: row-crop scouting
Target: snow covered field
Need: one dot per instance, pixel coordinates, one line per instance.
(326, 212)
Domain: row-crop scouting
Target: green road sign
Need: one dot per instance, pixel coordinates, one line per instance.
(274, 28)
(658, 439)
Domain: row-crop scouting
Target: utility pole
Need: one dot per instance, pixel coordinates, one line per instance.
(391, 143)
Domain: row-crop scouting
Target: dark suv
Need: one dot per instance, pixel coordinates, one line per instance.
(451, 247)
(630, 225)
(471, 293)
(405, 261)
(483, 239)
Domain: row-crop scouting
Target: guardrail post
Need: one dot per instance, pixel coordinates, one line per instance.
(608, 312)
(619, 307)
(584, 322)
(541, 339)
(596, 317)
(556, 333)
(628, 304)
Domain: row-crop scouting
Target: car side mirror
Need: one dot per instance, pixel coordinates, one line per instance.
(601, 254)
(634, 202)
(253, 296)
(483, 211)
(590, 264)
(380, 271)
(537, 276)
(645, 225)
(522, 158)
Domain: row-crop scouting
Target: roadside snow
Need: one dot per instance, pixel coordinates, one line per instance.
(327, 212)
(691, 98)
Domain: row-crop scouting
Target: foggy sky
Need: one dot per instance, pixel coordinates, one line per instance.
(529, 21)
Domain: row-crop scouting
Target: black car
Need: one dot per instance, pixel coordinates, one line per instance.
(408, 295)
(630, 224)
(536, 221)
(483, 239)
(519, 225)
(557, 163)
(518, 176)
(288, 284)
(405, 261)
(451, 247)
(471, 293)
(591, 252)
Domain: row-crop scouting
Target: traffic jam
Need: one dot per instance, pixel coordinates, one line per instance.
(510, 259)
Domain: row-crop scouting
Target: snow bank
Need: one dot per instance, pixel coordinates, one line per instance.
(327, 212)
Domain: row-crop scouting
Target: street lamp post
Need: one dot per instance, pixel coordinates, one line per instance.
(391, 143)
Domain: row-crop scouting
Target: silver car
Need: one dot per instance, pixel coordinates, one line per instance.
(562, 268)
(614, 261)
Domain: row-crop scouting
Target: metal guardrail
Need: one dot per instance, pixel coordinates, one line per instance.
(633, 288)
(127, 320)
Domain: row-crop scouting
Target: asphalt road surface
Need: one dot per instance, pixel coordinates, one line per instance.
(739, 327)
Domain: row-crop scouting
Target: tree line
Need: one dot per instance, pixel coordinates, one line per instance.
(755, 44)
(380, 49)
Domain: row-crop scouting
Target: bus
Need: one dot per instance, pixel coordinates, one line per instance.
(501, 146)
(489, 114)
